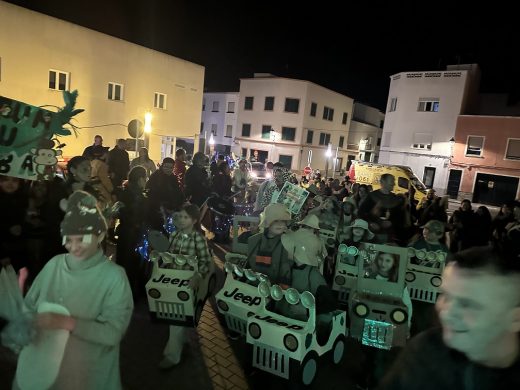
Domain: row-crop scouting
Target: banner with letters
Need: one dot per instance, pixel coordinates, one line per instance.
(29, 134)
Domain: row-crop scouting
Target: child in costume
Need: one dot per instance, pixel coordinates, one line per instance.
(96, 293)
(265, 250)
(432, 234)
(354, 235)
(186, 240)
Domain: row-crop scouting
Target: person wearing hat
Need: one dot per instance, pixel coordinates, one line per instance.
(96, 293)
(430, 241)
(265, 251)
(241, 180)
(328, 213)
(354, 235)
(305, 250)
(270, 188)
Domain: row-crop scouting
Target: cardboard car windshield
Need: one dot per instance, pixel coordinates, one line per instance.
(28, 134)
(292, 196)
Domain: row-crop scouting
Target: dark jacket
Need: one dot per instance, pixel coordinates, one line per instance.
(118, 163)
(196, 185)
(222, 185)
(427, 363)
(163, 191)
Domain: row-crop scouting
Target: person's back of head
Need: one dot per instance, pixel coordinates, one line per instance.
(180, 154)
(136, 173)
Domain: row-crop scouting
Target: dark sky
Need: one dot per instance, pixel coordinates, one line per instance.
(351, 47)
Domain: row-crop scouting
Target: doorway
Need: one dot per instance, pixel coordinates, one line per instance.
(454, 183)
(494, 189)
(428, 176)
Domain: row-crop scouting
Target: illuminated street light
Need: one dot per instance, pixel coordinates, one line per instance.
(329, 151)
(148, 122)
(328, 154)
(211, 140)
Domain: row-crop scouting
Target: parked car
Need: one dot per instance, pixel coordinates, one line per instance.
(259, 172)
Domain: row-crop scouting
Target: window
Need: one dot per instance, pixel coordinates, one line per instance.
(244, 152)
(341, 141)
(115, 91)
(231, 107)
(159, 100)
(203, 104)
(58, 80)
(246, 130)
(215, 107)
(229, 131)
(314, 108)
(428, 104)
(328, 113)
(269, 103)
(201, 127)
(214, 129)
(474, 146)
(324, 138)
(339, 163)
(288, 133)
(393, 105)
(422, 141)
(266, 131)
(379, 141)
(345, 118)
(248, 104)
(285, 160)
(292, 105)
(403, 183)
(513, 149)
(310, 136)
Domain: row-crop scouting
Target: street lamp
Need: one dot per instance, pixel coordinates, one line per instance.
(273, 139)
(328, 155)
(148, 122)
(211, 144)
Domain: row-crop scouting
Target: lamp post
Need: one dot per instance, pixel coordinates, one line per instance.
(273, 139)
(211, 144)
(328, 155)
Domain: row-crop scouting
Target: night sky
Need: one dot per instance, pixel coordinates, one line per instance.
(351, 48)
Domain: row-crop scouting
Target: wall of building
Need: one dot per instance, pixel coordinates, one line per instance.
(222, 118)
(33, 43)
(496, 130)
(406, 125)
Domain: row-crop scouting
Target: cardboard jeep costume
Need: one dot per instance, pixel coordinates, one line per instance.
(346, 272)
(424, 282)
(239, 297)
(290, 348)
(170, 298)
(28, 136)
(378, 314)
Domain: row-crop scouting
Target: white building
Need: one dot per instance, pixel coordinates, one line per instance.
(364, 136)
(117, 81)
(292, 121)
(421, 119)
(219, 117)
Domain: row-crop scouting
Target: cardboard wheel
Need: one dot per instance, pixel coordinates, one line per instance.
(305, 372)
(198, 313)
(338, 349)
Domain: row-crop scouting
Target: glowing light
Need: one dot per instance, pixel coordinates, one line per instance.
(328, 153)
(148, 122)
(211, 140)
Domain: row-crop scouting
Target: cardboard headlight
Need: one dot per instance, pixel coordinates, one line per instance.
(292, 296)
(276, 292)
(264, 290)
(307, 300)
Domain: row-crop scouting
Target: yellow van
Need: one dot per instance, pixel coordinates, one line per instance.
(370, 173)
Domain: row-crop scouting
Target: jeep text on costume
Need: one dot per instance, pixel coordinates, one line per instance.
(164, 279)
(247, 299)
(272, 320)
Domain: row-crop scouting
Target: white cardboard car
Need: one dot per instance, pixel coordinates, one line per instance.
(378, 314)
(170, 298)
(287, 347)
(346, 272)
(239, 296)
(424, 282)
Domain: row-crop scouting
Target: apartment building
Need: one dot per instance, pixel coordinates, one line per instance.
(219, 118)
(421, 119)
(364, 136)
(118, 81)
(294, 122)
(485, 166)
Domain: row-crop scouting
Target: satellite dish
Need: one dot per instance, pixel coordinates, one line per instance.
(135, 128)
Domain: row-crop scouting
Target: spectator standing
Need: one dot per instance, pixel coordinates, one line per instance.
(222, 181)
(118, 163)
(179, 169)
(96, 150)
(196, 181)
(164, 193)
(144, 161)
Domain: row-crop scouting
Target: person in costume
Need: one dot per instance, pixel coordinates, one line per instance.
(186, 240)
(96, 293)
(354, 235)
(265, 250)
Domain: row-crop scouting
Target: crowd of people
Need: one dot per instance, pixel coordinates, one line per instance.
(105, 199)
